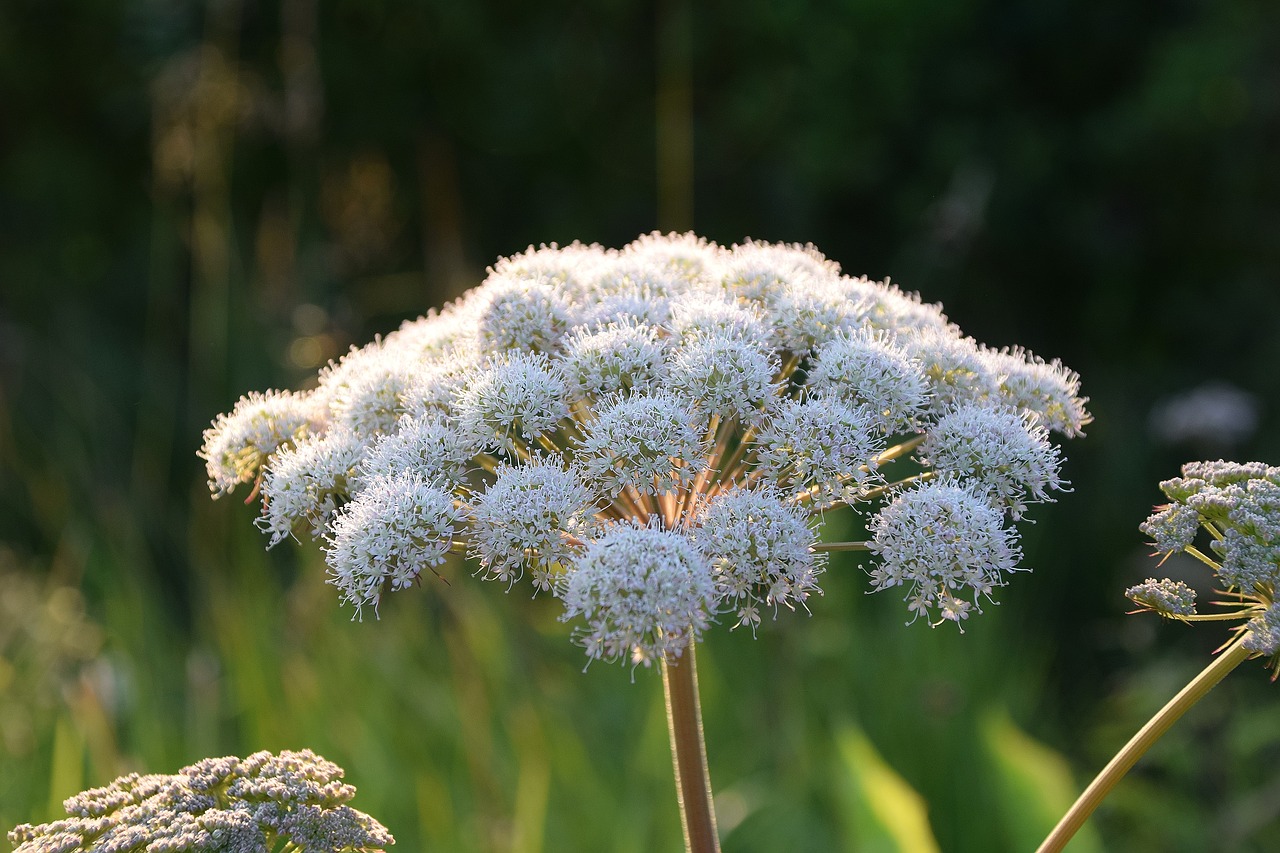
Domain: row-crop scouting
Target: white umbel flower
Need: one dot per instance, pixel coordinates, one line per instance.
(707, 313)
(238, 444)
(393, 531)
(369, 390)
(999, 452)
(868, 367)
(956, 368)
(304, 485)
(644, 442)
(517, 398)
(760, 548)
(738, 396)
(431, 446)
(526, 314)
(644, 594)
(1048, 390)
(612, 359)
(725, 376)
(534, 516)
(819, 445)
(946, 545)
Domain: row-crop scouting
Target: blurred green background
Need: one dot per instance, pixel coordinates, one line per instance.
(198, 200)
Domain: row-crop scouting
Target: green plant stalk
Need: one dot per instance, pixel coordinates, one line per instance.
(1227, 660)
(689, 753)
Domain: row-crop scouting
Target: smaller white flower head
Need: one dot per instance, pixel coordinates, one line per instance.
(808, 313)
(760, 548)
(616, 358)
(437, 385)
(1171, 599)
(707, 313)
(957, 370)
(870, 368)
(449, 334)
(1049, 390)
(644, 441)
(1172, 527)
(303, 485)
(684, 256)
(887, 308)
(534, 516)
(393, 530)
(369, 390)
(947, 545)
(430, 446)
(753, 271)
(518, 397)
(1250, 544)
(820, 445)
(525, 314)
(238, 444)
(644, 594)
(1003, 454)
(568, 268)
(726, 376)
(626, 304)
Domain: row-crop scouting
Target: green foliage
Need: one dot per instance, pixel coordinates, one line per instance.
(1035, 786)
(885, 815)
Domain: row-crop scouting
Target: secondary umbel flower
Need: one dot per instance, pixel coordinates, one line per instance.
(239, 444)
(1237, 506)
(947, 545)
(535, 516)
(218, 805)
(644, 593)
(1003, 454)
(1171, 599)
(385, 537)
(760, 547)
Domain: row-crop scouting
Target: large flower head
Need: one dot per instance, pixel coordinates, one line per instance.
(586, 413)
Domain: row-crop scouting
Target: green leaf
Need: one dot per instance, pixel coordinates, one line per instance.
(1034, 784)
(884, 813)
(67, 774)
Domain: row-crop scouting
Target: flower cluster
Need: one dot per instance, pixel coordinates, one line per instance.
(1238, 506)
(263, 803)
(656, 434)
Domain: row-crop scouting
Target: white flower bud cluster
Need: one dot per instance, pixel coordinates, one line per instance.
(1238, 506)
(218, 805)
(1171, 599)
(656, 434)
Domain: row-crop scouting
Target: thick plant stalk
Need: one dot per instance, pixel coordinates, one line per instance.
(1155, 728)
(689, 753)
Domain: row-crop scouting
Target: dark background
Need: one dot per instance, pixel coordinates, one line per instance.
(198, 200)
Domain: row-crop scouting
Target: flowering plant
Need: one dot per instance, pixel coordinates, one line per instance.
(654, 436)
(1236, 507)
(293, 801)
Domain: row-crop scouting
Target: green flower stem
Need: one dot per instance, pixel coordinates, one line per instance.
(1102, 784)
(689, 753)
